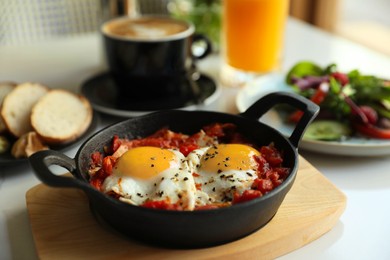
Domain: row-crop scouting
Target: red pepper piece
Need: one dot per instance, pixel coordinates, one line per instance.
(317, 98)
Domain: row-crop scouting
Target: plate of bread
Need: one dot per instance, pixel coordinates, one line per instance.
(34, 117)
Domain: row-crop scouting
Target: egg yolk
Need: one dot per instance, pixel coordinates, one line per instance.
(229, 157)
(144, 162)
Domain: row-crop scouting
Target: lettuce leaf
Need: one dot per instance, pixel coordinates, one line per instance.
(302, 69)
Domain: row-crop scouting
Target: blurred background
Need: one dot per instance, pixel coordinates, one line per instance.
(366, 22)
(29, 21)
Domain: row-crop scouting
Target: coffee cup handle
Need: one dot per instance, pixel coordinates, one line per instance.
(207, 50)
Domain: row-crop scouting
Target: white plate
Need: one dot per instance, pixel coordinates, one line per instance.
(357, 146)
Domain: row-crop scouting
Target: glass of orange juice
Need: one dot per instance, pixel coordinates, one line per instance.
(252, 36)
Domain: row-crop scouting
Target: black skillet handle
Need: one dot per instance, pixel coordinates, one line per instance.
(310, 111)
(42, 160)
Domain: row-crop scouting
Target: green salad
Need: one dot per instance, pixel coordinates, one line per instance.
(351, 103)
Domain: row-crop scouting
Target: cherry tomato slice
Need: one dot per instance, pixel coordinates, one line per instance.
(341, 77)
(373, 131)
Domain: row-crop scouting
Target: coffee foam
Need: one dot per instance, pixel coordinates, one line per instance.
(144, 28)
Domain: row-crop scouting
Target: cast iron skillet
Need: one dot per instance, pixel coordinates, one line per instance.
(183, 229)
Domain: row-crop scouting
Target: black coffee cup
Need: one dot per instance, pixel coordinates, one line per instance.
(150, 56)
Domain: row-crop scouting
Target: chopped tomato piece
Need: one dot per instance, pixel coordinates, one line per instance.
(108, 163)
(263, 165)
(246, 196)
(219, 130)
(155, 142)
(96, 182)
(187, 148)
(271, 155)
(98, 178)
(263, 185)
(273, 176)
(282, 171)
(205, 207)
(97, 158)
(161, 204)
(116, 142)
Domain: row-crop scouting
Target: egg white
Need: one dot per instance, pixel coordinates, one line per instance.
(218, 187)
(175, 184)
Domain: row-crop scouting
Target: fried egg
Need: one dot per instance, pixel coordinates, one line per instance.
(222, 170)
(152, 173)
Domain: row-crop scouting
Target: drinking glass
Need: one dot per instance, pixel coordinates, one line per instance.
(252, 38)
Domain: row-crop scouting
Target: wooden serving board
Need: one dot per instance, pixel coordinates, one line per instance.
(64, 228)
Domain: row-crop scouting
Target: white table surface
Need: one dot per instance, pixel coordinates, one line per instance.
(363, 231)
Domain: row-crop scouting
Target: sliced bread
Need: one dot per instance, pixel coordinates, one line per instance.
(60, 116)
(17, 105)
(5, 89)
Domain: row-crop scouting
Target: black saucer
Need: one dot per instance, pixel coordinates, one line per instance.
(104, 96)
